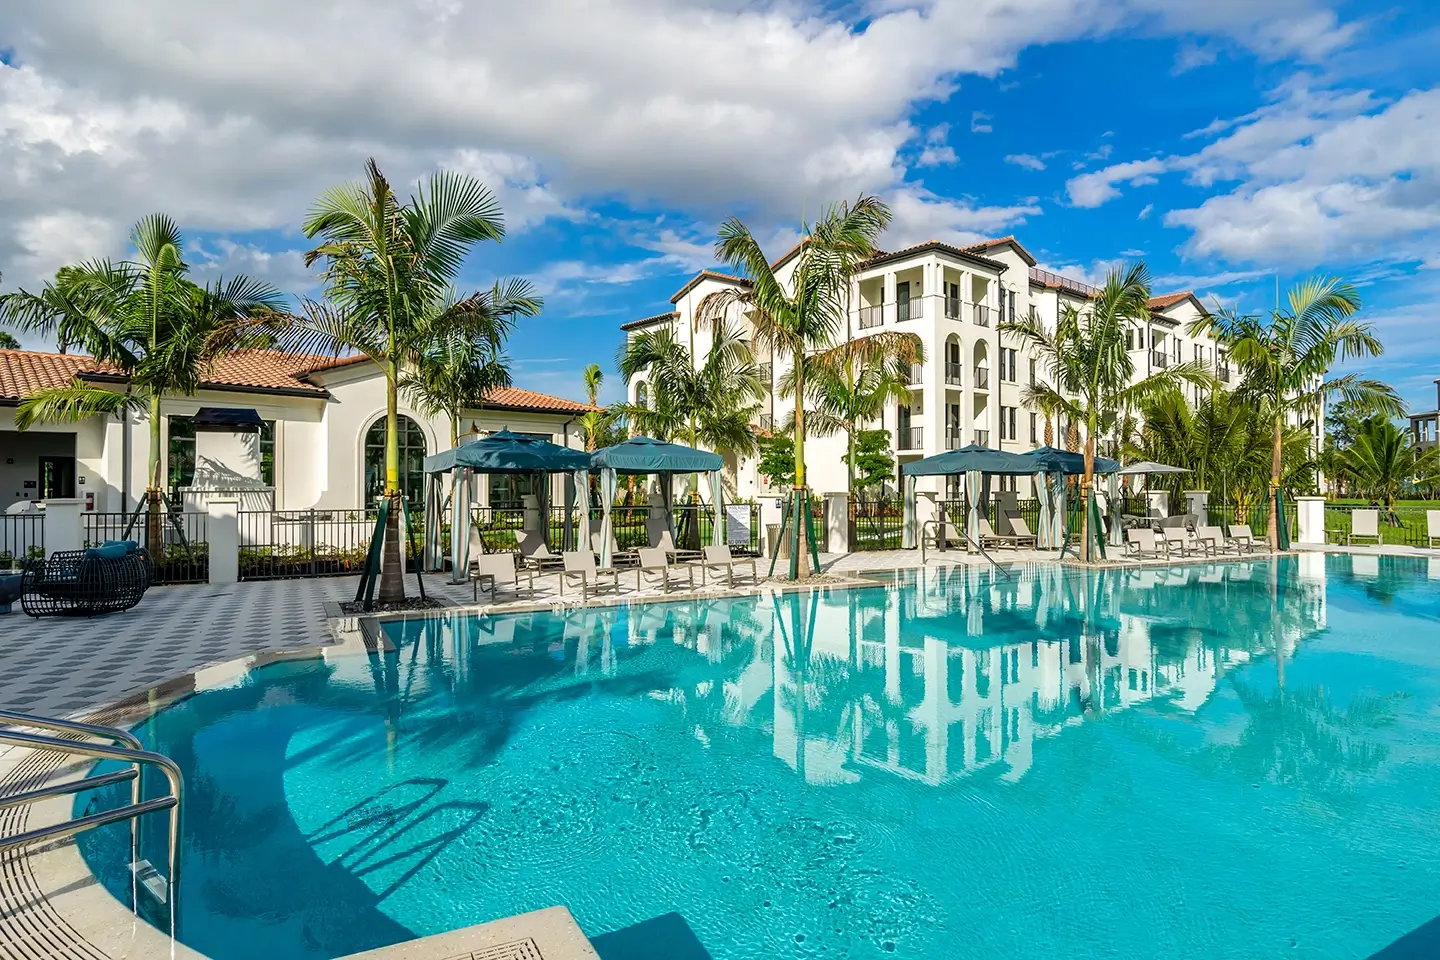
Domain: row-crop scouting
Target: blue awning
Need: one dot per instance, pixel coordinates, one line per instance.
(507, 452)
(644, 455)
(1055, 460)
(974, 457)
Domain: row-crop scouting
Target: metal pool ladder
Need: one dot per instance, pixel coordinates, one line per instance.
(79, 739)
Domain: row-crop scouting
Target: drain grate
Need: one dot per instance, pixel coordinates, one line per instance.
(515, 950)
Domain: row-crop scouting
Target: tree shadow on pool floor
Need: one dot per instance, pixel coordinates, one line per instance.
(1422, 943)
(667, 936)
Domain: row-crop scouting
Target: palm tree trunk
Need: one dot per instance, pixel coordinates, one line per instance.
(1049, 432)
(154, 540)
(1272, 535)
(802, 562)
(392, 569)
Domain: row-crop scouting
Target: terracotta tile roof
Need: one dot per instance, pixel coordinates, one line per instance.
(708, 275)
(513, 398)
(984, 245)
(647, 321)
(267, 370)
(23, 372)
(1169, 300)
(936, 246)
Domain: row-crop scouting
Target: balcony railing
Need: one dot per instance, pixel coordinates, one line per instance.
(766, 421)
(952, 307)
(1049, 279)
(912, 309)
(915, 376)
(952, 373)
(872, 316)
(982, 437)
(910, 438)
(982, 378)
(1158, 359)
(953, 440)
(1223, 372)
(981, 315)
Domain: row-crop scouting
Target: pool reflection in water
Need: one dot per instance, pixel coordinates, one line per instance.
(1108, 764)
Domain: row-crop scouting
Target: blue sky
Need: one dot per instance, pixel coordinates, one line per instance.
(1227, 143)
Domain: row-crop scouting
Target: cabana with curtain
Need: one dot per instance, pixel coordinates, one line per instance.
(644, 456)
(976, 464)
(1051, 466)
(502, 452)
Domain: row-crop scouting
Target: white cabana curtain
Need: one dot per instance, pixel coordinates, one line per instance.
(1057, 500)
(433, 551)
(460, 524)
(581, 508)
(909, 537)
(972, 506)
(607, 499)
(717, 496)
(1045, 535)
(1112, 508)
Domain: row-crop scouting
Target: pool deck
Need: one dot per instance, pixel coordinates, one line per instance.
(51, 906)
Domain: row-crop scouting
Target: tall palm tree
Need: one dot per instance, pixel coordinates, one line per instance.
(1382, 464)
(143, 321)
(1285, 362)
(594, 378)
(388, 264)
(803, 316)
(851, 384)
(601, 428)
(1087, 359)
(710, 404)
(464, 358)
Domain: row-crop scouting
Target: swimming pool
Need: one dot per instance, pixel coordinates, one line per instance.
(1109, 765)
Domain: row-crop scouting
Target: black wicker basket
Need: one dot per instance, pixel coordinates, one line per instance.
(84, 583)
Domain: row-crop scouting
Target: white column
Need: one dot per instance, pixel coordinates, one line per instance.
(1312, 519)
(888, 312)
(64, 524)
(1158, 500)
(837, 531)
(222, 531)
(771, 512)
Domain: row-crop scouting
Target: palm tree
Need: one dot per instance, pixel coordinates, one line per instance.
(144, 321)
(1381, 463)
(1087, 359)
(601, 428)
(8, 341)
(594, 378)
(804, 316)
(388, 266)
(851, 384)
(1285, 362)
(706, 405)
(464, 358)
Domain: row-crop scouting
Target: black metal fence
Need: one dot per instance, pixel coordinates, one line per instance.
(1404, 526)
(284, 544)
(22, 536)
(877, 524)
(181, 554)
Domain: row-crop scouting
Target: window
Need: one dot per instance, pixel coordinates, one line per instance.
(412, 460)
(1034, 433)
(1009, 359)
(1032, 373)
(1129, 339)
(1007, 424)
(642, 394)
(181, 452)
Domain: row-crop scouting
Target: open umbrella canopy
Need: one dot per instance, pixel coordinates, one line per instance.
(972, 458)
(644, 455)
(1146, 467)
(1055, 460)
(506, 452)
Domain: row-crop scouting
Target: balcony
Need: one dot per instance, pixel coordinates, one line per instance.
(912, 309)
(981, 314)
(872, 316)
(1159, 360)
(909, 438)
(953, 440)
(766, 422)
(952, 373)
(982, 437)
(915, 376)
(982, 378)
(1223, 372)
(952, 308)
(1047, 279)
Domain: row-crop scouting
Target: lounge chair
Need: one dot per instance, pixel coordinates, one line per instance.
(987, 536)
(1210, 539)
(498, 571)
(655, 567)
(942, 534)
(1240, 539)
(1140, 542)
(1176, 538)
(580, 568)
(1364, 524)
(1020, 530)
(1432, 527)
(665, 541)
(718, 560)
(535, 554)
(618, 557)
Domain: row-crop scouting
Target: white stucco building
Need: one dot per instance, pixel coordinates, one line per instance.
(321, 444)
(969, 388)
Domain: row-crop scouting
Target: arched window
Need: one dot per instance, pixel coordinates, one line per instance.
(412, 460)
(642, 394)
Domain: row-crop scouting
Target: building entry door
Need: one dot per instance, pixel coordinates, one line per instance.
(57, 477)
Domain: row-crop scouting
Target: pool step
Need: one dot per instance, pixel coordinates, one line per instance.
(549, 934)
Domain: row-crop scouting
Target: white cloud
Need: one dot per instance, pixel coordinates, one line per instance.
(1026, 160)
(1094, 189)
(937, 152)
(920, 216)
(980, 123)
(1145, 211)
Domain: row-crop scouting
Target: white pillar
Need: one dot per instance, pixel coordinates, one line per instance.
(837, 532)
(772, 512)
(222, 531)
(1198, 503)
(64, 524)
(1312, 519)
(1158, 500)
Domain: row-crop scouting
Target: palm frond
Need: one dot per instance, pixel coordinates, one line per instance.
(72, 404)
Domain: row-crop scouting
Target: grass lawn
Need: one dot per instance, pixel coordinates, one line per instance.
(1412, 528)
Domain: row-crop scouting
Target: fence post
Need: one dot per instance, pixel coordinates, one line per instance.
(837, 522)
(1158, 500)
(771, 514)
(1198, 503)
(222, 529)
(1311, 520)
(64, 524)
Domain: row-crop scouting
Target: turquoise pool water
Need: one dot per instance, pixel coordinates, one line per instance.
(1235, 760)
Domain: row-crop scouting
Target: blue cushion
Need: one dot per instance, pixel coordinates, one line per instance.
(130, 545)
(110, 550)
